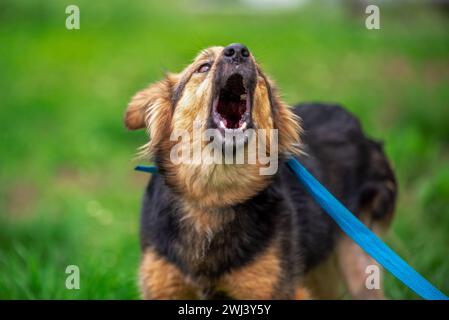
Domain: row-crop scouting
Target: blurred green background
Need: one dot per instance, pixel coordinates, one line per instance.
(68, 194)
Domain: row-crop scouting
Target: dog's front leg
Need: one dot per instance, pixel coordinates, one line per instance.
(261, 279)
(161, 280)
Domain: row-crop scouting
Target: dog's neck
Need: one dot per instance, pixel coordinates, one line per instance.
(216, 186)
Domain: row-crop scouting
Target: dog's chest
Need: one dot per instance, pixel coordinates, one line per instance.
(210, 244)
(207, 244)
(202, 231)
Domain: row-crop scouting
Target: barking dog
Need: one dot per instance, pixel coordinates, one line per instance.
(225, 230)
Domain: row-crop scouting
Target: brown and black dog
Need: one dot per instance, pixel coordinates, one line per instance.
(213, 230)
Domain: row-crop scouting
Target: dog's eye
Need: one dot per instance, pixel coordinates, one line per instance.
(204, 68)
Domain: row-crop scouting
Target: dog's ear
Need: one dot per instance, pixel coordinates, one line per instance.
(289, 126)
(284, 119)
(135, 112)
(142, 105)
(152, 108)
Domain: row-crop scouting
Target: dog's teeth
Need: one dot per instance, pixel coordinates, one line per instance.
(243, 96)
(222, 125)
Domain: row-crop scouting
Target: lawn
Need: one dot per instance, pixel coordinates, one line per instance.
(68, 194)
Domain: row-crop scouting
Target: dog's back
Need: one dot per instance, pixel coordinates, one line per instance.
(354, 168)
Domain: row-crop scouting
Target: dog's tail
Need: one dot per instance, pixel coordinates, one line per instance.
(378, 192)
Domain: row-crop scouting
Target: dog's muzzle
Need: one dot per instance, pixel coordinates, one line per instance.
(233, 90)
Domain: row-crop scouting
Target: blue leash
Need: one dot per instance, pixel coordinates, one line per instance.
(358, 232)
(364, 237)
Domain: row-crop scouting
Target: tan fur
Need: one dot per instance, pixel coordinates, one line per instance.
(207, 221)
(290, 130)
(161, 280)
(283, 119)
(262, 116)
(352, 263)
(302, 294)
(258, 280)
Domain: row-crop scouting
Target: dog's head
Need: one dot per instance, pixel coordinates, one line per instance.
(224, 89)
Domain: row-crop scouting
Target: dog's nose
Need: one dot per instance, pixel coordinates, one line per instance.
(236, 52)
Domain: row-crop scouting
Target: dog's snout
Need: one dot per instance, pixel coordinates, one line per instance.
(236, 52)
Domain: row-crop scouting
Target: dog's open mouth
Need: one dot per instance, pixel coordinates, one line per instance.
(231, 107)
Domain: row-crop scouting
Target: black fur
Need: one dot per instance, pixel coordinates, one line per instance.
(353, 167)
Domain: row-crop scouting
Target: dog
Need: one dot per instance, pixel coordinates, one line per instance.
(226, 231)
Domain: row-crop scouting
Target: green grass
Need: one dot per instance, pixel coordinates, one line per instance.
(68, 194)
